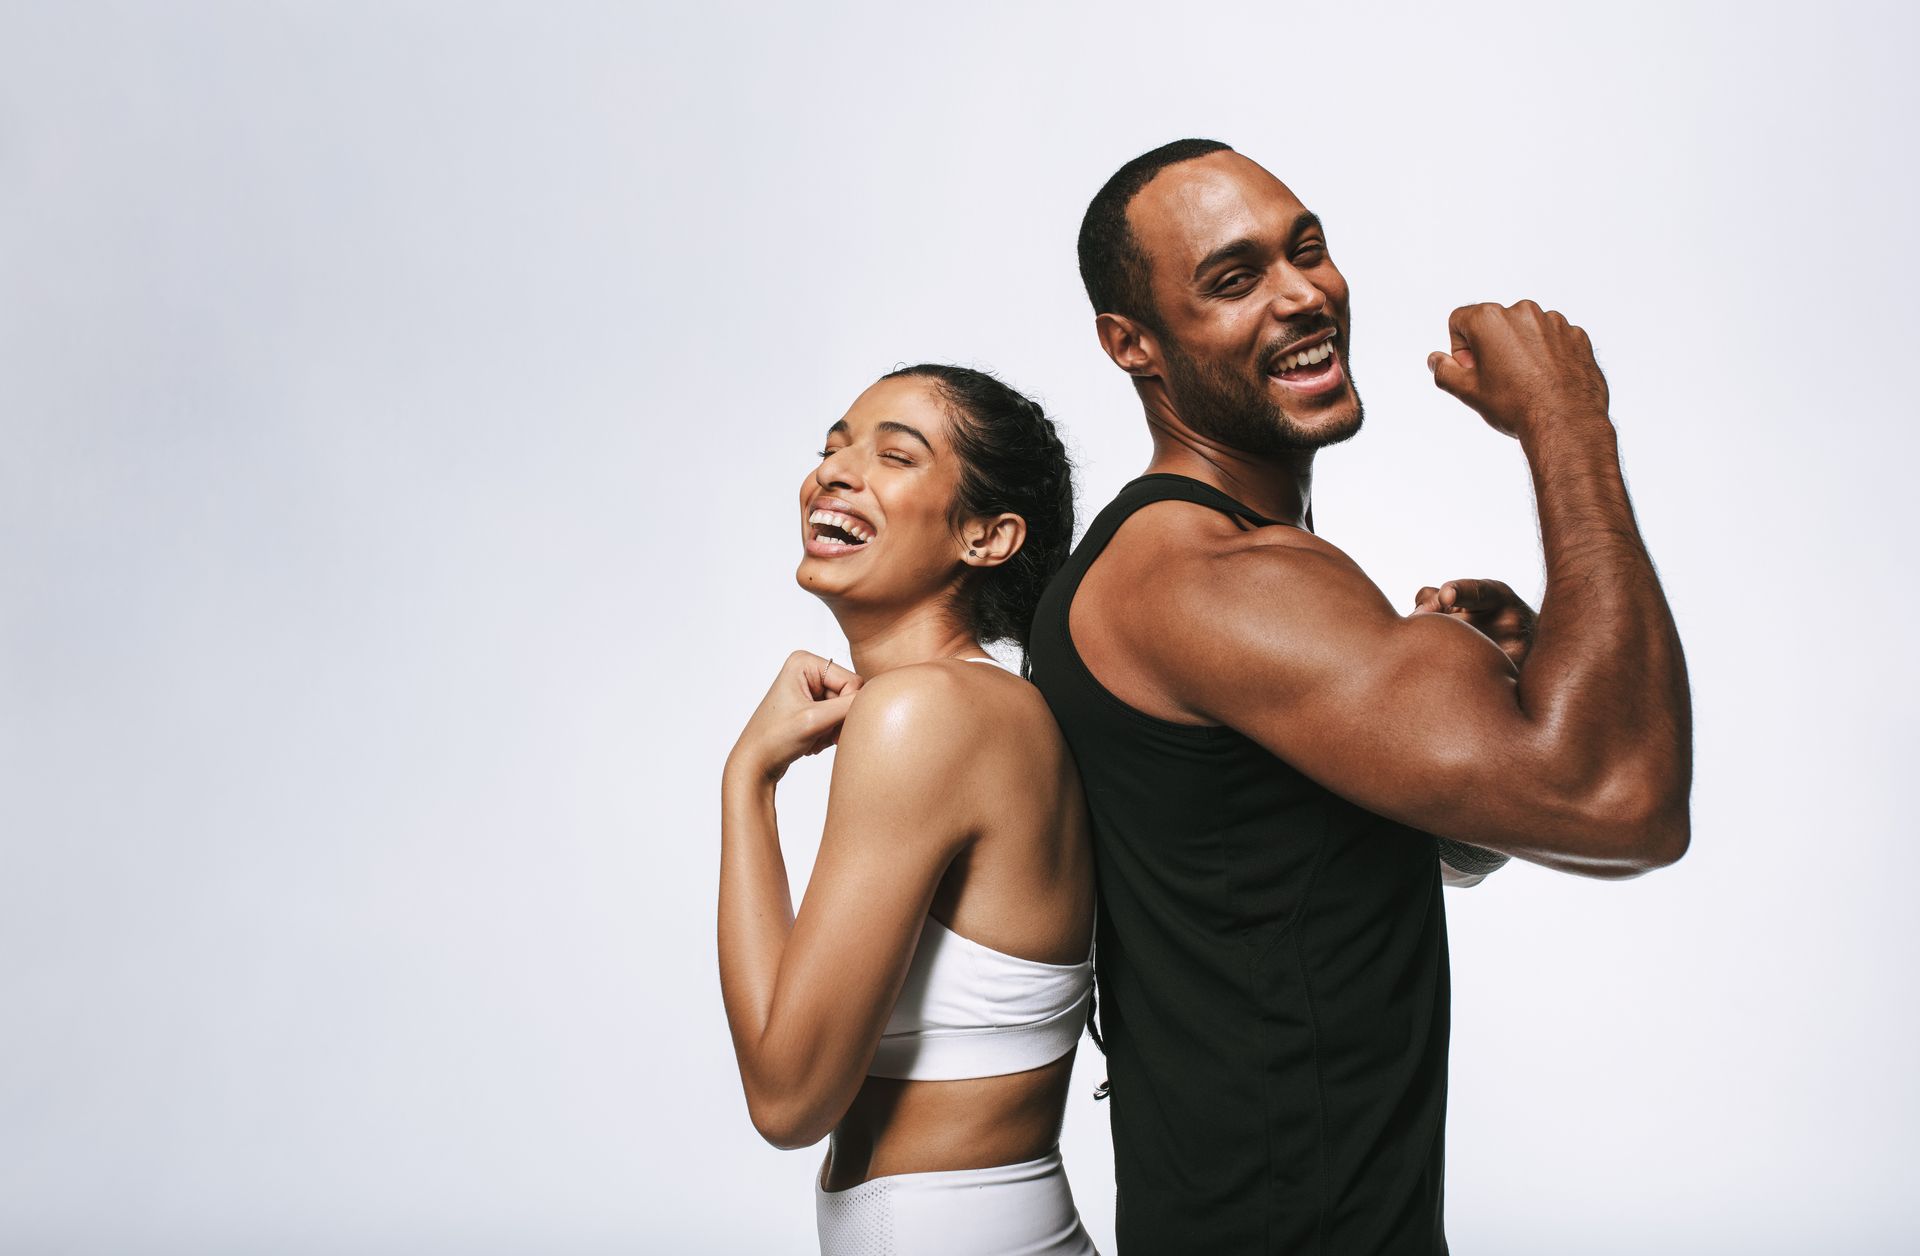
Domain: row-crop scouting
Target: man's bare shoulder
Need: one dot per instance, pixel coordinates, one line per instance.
(1184, 600)
(1191, 561)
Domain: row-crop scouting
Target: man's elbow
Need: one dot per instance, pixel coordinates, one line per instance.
(1639, 826)
(1667, 839)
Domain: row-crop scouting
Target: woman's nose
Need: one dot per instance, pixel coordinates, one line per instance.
(836, 471)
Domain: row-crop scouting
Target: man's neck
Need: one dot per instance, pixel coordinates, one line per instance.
(1279, 486)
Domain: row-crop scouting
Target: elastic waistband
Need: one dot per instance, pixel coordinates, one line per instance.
(949, 1179)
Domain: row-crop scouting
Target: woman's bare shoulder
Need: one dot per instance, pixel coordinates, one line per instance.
(953, 698)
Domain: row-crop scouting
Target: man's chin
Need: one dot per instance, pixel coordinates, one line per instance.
(1324, 425)
(1343, 424)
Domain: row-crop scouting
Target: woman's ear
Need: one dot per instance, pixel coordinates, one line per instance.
(993, 539)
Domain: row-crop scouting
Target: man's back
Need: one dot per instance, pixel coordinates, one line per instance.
(1272, 967)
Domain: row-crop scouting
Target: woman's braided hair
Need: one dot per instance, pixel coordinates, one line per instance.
(1011, 460)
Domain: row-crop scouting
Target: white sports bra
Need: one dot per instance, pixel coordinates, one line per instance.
(967, 1010)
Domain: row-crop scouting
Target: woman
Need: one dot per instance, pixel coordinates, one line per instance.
(924, 1006)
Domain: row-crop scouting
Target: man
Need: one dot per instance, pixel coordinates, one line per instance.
(1277, 761)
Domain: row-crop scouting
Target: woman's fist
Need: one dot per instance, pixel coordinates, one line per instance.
(801, 715)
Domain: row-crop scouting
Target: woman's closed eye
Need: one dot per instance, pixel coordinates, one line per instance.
(889, 453)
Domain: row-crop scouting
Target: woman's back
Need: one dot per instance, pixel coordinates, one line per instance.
(1012, 931)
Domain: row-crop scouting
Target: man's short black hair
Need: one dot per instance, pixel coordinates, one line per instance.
(1112, 264)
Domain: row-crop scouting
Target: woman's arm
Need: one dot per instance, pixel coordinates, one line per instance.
(807, 997)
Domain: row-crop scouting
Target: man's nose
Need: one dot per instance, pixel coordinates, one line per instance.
(1295, 295)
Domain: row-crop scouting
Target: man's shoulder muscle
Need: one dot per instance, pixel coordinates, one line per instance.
(1168, 607)
(1279, 605)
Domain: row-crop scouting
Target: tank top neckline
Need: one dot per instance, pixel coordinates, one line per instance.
(1057, 604)
(1234, 504)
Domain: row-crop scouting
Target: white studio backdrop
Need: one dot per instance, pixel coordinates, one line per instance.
(402, 413)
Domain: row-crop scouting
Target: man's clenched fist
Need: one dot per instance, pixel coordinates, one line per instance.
(1521, 367)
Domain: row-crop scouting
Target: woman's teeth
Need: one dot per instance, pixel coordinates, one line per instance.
(852, 527)
(1306, 357)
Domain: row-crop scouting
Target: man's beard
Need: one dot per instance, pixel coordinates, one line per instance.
(1224, 405)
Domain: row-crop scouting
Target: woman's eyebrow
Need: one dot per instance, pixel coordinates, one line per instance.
(885, 425)
(889, 425)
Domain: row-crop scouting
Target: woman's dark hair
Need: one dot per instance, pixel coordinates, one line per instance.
(1011, 460)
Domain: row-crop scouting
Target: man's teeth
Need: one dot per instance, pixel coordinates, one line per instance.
(1307, 357)
(846, 523)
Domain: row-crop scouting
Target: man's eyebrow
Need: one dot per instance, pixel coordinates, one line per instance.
(887, 425)
(1306, 221)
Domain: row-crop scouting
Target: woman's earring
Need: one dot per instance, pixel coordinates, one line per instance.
(969, 551)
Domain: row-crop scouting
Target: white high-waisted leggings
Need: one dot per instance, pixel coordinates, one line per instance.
(1020, 1209)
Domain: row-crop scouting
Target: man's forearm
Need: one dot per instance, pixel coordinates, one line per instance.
(1606, 679)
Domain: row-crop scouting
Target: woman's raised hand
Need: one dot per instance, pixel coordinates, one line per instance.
(801, 715)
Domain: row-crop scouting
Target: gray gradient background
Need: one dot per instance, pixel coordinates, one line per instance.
(402, 409)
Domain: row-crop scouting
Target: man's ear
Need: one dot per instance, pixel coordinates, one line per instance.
(1132, 347)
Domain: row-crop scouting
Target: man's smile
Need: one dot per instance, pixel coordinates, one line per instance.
(1311, 371)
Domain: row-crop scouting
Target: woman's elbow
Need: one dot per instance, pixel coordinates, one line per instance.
(788, 1121)
(785, 1131)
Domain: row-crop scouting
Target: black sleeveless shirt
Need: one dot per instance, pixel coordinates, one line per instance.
(1272, 973)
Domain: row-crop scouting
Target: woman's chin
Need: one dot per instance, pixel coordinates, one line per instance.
(820, 578)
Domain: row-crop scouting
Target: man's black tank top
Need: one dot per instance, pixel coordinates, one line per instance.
(1272, 973)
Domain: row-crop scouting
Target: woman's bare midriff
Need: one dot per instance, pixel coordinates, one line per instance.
(972, 1123)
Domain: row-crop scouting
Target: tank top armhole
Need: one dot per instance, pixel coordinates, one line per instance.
(1142, 491)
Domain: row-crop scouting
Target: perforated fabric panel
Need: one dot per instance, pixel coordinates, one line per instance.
(856, 1222)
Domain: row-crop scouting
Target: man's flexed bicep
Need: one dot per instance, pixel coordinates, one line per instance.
(1417, 718)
